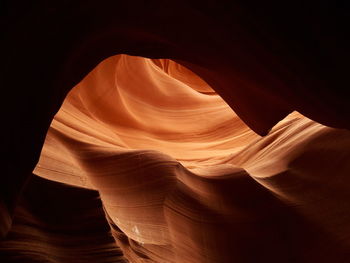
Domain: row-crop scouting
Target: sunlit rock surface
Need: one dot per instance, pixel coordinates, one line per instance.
(183, 179)
(180, 177)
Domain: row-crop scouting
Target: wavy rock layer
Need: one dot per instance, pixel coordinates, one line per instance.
(265, 60)
(183, 179)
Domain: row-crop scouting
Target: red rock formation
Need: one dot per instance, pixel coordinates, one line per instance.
(181, 177)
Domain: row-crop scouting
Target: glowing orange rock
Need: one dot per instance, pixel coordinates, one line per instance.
(182, 178)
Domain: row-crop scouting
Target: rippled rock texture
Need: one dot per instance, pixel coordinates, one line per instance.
(222, 135)
(183, 179)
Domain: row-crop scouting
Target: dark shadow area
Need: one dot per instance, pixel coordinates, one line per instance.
(54, 222)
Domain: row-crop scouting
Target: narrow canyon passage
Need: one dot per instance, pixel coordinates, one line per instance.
(175, 131)
(182, 178)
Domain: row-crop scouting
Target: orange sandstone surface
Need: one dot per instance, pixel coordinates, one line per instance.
(182, 179)
(222, 134)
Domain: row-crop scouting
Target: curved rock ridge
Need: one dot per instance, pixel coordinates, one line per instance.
(183, 179)
(132, 103)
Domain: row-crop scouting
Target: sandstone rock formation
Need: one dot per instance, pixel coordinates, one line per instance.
(210, 132)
